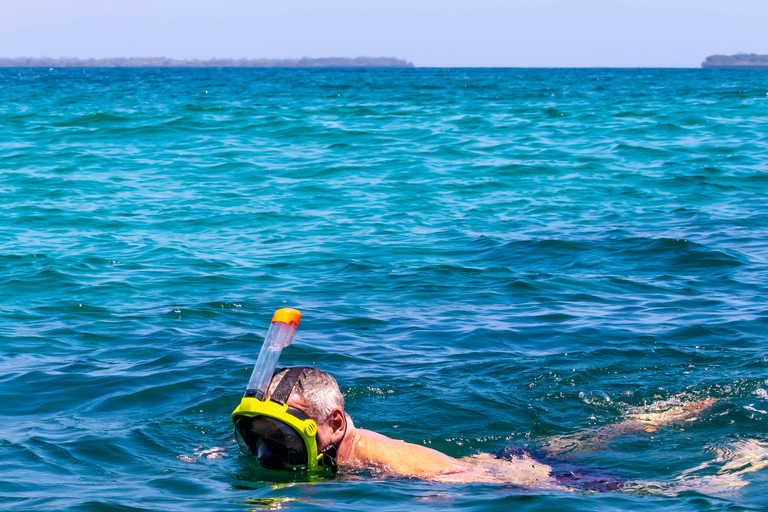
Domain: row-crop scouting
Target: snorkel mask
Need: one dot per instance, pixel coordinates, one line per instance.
(278, 436)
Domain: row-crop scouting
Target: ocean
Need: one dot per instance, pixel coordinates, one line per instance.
(484, 259)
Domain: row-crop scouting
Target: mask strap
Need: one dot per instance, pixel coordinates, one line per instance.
(330, 452)
(329, 458)
(286, 384)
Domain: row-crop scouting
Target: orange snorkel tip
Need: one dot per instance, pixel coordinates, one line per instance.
(287, 316)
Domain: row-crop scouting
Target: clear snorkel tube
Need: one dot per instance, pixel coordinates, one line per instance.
(280, 335)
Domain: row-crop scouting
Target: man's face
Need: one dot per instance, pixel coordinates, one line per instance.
(324, 429)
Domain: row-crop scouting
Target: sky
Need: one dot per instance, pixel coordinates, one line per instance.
(430, 33)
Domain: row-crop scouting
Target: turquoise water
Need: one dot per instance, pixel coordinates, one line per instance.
(483, 258)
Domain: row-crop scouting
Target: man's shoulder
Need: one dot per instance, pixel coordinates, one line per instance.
(370, 434)
(400, 456)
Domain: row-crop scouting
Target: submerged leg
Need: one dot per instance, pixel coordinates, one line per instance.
(646, 419)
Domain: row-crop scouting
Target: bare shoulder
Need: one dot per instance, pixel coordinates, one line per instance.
(370, 434)
(400, 457)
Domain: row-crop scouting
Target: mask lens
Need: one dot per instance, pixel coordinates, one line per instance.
(275, 444)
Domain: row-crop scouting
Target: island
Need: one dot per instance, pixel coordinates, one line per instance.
(740, 60)
(164, 62)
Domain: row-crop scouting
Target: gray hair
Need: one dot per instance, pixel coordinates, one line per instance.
(318, 389)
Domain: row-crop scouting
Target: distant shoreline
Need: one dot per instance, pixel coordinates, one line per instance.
(163, 62)
(738, 61)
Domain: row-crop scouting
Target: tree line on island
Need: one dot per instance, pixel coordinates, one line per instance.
(164, 62)
(740, 60)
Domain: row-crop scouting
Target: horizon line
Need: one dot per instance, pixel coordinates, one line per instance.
(265, 62)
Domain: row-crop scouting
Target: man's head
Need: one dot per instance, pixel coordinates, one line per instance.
(317, 395)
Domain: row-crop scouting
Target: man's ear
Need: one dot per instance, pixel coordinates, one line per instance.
(338, 423)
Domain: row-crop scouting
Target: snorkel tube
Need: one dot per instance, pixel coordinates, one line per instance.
(279, 436)
(280, 335)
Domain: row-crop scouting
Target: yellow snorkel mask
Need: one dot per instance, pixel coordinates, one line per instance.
(278, 436)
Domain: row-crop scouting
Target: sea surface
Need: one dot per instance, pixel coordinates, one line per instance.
(484, 259)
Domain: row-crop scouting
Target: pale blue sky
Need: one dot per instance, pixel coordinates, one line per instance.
(533, 33)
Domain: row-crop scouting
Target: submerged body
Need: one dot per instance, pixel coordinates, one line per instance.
(365, 449)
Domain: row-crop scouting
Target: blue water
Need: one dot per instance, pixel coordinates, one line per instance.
(483, 258)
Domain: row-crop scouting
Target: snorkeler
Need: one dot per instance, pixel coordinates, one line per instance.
(294, 420)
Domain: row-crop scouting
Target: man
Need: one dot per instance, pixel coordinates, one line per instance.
(317, 395)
